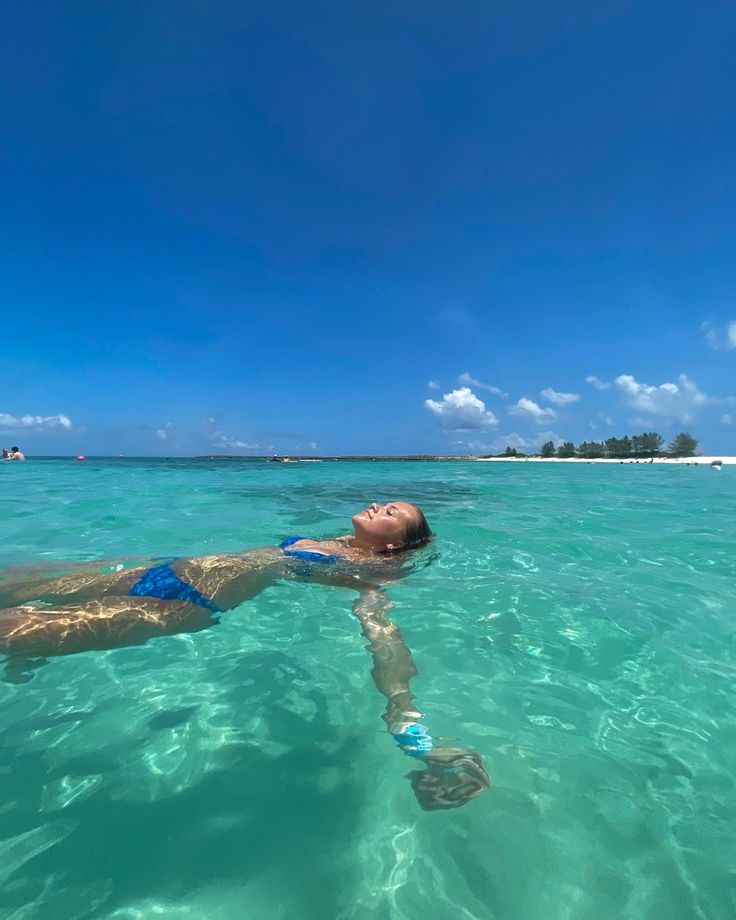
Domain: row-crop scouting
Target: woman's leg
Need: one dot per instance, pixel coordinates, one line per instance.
(228, 579)
(108, 623)
(74, 588)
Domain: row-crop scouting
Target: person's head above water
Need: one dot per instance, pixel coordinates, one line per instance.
(391, 527)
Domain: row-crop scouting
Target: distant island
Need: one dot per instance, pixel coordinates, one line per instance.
(647, 447)
(294, 458)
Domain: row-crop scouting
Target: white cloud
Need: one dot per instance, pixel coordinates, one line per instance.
(313, 445)
(560, 399)
(604, 420)
(711, 336)
(671, 400)
(527, 408)
(223, 440)
(433, 385)
(514, 439)
(543, 436)
(720, 339)
(597, 382)
(163, 433)
(467, 381)
(37, 422)
(461, 410)
(726, 419)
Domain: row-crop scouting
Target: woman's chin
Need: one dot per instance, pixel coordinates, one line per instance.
(359, 520)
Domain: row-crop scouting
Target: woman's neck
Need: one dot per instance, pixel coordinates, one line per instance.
(356, 542)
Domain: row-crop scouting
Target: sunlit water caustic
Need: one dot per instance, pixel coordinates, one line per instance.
(576, 628)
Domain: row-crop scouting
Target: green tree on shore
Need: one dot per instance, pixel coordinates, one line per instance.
(590, 450)
(683, 445)
(618, 448)
(548, 449)
(647, 444)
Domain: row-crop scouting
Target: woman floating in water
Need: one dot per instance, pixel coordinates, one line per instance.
(130, 604)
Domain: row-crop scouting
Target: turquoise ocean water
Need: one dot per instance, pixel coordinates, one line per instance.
(577, 629)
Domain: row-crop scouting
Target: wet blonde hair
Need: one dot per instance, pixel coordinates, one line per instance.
(418, 532)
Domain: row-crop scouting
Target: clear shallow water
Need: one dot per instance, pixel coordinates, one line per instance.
(577, 630)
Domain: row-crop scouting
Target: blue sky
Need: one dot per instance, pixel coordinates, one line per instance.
(352, 228)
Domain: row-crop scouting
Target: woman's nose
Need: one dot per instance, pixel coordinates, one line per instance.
(374, 507)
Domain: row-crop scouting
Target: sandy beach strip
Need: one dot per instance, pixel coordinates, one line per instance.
(680, 461)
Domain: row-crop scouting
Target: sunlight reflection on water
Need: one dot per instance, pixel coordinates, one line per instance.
(574, 627)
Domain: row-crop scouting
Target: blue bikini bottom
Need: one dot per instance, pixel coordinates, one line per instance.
(305, 554)
(163, 582)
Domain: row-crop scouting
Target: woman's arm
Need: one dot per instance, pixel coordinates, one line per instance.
(453, 775)
(393, 665)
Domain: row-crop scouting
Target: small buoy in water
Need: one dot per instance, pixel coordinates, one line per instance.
(81, 457)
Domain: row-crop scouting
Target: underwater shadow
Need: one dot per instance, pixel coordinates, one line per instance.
(284, 822)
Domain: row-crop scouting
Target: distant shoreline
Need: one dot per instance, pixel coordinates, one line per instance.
(399, 458)
(700, 460)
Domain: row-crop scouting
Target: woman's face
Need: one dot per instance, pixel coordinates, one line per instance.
(384, 526)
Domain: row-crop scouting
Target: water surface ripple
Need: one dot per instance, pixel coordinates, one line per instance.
(577, 629)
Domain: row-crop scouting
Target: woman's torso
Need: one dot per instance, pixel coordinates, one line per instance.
(224, 578)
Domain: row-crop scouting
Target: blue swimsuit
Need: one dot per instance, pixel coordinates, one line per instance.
(163, 582)
(305, 554)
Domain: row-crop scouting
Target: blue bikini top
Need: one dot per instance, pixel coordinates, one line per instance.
(305, 554)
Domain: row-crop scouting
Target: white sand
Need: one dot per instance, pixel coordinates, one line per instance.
(701, 461)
